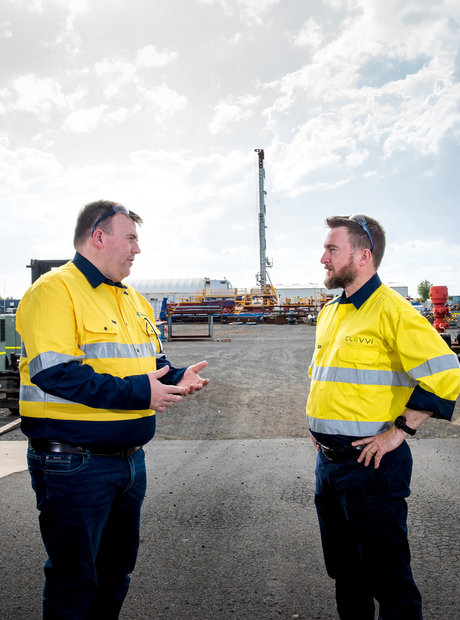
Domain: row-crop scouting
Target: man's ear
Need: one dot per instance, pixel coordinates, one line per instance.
(97, 239)
(366, 256)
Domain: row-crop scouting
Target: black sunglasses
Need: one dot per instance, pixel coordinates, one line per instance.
(361, 220)
(112, 211)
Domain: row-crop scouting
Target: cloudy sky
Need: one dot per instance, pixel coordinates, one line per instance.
(159, 104)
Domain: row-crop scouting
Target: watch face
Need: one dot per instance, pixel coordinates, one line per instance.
(400, 422)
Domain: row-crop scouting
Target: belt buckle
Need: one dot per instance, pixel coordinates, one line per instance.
(328, 452)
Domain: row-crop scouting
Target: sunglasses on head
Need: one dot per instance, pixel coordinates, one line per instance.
(361, 220)
(112, 211)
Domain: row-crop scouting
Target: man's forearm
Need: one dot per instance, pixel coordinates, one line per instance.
(415, 418)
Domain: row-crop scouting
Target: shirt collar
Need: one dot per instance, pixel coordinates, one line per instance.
(362, 294)
(92, 273)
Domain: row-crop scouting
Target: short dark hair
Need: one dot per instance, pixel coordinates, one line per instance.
(90, 213)
(358, 236)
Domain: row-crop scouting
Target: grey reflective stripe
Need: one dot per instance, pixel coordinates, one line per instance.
(434, 365)
(49, 359)
(148, 349)
(98, 350)
(347, 427)
(359, 376)
(112, 350)
(23, 350)
(32, 393)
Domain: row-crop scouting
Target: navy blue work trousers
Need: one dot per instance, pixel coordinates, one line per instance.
(362, 515)
(89, 520)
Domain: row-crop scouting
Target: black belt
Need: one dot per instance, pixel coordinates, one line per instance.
(337, 455)
(49, 445)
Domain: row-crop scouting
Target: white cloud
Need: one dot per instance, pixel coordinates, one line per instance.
(339, 4)
(117, 74)
(37, 95)
(75, 8)
(166, 102)
(149, 56)
(42, 98)
(310, 35)
(116, 116)
(427, 110)
(249, 11)
(24, 168)
(116, 68)
(85, 120)
(6, 30)
(345, 121)
(121, 76)
(231, 111)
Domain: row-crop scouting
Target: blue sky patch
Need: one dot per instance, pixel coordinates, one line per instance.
(383, 69)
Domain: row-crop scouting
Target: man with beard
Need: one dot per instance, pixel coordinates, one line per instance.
(379, 370)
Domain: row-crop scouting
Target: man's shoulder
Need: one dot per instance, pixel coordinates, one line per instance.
(49, 288)
(394, 309)
(54, 278)
(386, 295)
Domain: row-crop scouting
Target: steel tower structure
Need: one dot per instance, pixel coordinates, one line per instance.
(264, 261)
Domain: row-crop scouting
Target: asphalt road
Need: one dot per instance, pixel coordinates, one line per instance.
(229, 529)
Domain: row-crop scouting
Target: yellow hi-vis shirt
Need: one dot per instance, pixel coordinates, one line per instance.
(63, 319)
(370, 362)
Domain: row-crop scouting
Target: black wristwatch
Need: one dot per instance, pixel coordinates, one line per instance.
(400, 422)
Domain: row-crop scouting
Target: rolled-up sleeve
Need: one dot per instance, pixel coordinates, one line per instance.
(429, 361)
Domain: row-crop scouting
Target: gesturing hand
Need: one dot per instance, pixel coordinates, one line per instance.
(163, 396)
(191, 380)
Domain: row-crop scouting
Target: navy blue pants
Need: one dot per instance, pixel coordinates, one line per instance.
(89, 521)
(362, 515)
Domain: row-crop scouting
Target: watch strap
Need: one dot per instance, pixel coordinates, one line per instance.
(400, 422)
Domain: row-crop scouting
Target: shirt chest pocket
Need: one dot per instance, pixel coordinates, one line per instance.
(359, 356)
(99, 330)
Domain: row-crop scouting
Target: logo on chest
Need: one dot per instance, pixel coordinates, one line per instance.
(359, 339)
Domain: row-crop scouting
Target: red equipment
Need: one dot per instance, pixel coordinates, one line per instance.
(438, 295)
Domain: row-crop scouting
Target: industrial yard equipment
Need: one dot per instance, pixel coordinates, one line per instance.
(193, 313)
(10, 349)
(10, 344)
(438, 296)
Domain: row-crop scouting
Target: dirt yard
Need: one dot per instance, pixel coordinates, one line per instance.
(258, 388)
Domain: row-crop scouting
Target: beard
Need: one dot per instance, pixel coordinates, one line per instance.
(342, 278)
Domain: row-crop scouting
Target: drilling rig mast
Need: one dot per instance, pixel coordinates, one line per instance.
(261, 277)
